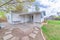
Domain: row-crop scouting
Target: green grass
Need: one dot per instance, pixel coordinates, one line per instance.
(52, 30)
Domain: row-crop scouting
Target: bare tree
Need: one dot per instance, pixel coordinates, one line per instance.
(6, 3)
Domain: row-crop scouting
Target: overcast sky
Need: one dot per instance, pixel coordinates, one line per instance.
(50, 4)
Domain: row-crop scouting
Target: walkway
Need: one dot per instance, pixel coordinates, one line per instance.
(20, 32)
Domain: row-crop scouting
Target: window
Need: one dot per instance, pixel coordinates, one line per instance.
(44, 13)
(58, 13)
(41, 16)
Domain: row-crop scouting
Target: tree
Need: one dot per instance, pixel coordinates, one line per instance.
(16, 5)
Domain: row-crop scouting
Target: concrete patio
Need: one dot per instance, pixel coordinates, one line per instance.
(26, 31)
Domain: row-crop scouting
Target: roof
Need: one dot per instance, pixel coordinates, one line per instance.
(24, 13)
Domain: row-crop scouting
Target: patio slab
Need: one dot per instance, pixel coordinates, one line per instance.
(7, 37)
(25, 38)
(22, 31)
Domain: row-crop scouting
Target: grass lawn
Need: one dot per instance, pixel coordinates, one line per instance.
(52, 30)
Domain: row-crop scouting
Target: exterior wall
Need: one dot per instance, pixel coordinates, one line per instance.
(27, 18)
(13, 18)
(37, 18)
(24, 18)
(9, 18)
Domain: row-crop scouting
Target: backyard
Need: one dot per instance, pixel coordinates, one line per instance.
(52, 30)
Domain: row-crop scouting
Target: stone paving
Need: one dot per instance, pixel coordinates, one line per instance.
(19, 33)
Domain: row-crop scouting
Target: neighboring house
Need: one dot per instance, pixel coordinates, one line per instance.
(58, 13)
(34, 17)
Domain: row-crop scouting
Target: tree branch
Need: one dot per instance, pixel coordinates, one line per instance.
(5, 3)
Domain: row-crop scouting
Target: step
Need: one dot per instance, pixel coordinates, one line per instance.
(7, 37)
(32, 35)
(35, 31)
(36, 28)
(8, 32)
(15, 38)
(25, 38)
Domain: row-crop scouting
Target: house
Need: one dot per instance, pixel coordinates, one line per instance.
(58, 13)
(34, 17)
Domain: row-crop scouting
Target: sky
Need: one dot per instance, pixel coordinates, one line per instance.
(51, 5)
